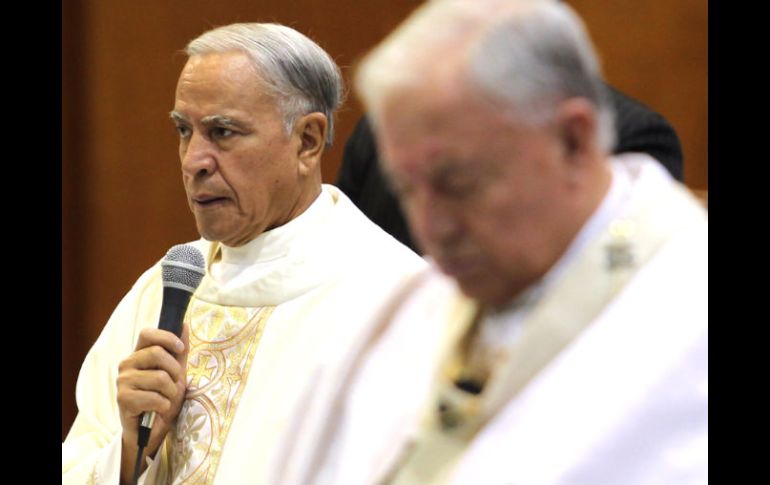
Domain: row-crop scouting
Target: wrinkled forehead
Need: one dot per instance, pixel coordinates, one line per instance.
(435, 109)
(229, 69)
(217, 82)
(421, 135)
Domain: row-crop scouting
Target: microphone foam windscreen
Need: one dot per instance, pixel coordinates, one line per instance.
(183, 267)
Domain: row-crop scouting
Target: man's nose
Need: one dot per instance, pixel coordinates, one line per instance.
(433, 220)
(197, 156)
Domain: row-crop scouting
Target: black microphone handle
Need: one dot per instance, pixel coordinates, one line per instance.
(173, 308)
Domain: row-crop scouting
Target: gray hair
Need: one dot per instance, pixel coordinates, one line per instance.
(526, 55)
(301, 75)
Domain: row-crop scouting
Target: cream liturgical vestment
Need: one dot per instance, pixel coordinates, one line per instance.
(259, 322)
(596, 375)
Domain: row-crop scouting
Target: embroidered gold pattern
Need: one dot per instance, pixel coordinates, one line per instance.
(93, 478)
(222, 345)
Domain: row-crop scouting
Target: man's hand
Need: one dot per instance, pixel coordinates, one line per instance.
(151, 379)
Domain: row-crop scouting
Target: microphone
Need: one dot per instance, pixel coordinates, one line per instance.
(183, 269)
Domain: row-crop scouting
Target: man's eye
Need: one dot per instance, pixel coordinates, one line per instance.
(457, 187)
(220, 132)
(183, 131)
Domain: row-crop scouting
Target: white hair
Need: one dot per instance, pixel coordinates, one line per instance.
(526, 55)
(302, 76)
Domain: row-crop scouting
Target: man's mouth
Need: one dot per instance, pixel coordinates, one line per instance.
(209, 200)
(459, 267)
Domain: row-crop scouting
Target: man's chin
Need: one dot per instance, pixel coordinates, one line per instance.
(213, 236)
(485, 291)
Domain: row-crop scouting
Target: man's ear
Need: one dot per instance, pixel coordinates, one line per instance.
(311, 130)
(578, 121)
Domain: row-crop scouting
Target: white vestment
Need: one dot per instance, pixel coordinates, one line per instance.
(604, 380)
(258, 322)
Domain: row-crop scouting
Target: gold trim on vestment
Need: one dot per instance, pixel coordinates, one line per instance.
(223, 340)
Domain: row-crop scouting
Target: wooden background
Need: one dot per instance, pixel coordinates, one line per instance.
(123, 203)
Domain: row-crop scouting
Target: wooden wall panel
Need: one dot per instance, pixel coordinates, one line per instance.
(123, 202)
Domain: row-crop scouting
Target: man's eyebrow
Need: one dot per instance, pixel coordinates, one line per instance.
(208, 120)
(177, 116)
(438, 166)
(220, 120)
(448, 168)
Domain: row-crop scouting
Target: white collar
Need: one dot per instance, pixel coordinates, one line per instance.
(275, 243)
(276, 266)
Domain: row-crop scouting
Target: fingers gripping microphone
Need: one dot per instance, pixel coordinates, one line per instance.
(183, 269)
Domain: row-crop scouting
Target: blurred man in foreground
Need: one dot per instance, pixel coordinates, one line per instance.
(561, 336)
